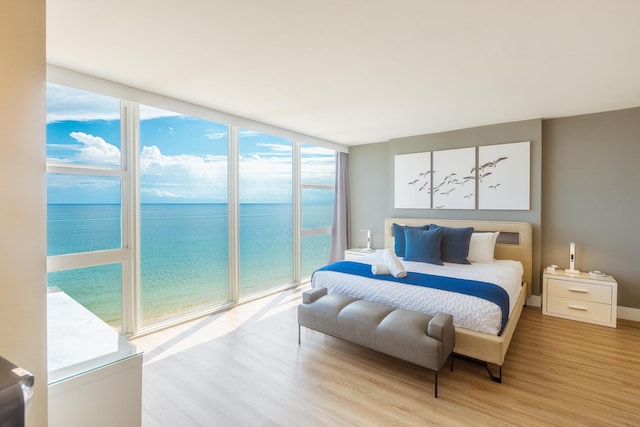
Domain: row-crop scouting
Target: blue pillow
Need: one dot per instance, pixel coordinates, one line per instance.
(399, 240)
(455, 243)
(423, 245)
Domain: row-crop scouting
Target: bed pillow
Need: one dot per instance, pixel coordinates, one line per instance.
(423, 245)
(399, 240)
(482, 247)
(455, 243)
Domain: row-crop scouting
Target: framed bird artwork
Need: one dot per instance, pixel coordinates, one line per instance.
(454, 179)
(412, 185)
(504, 176)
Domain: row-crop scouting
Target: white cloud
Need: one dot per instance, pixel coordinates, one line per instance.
(317, 167)
(216, 135)
(186, 177)
(265, 179)
(152, 160)
(249, 133)
(159, 193)
(281, 148)
(95, 150)
(204, 178)
(149, 153)
(65, 103)
(266, 166)
(315, 150)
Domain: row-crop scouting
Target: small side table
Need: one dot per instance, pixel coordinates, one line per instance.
(580, 297)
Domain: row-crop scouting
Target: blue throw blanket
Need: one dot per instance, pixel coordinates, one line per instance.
(484, 290)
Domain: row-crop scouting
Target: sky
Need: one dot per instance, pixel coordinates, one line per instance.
(183, 159)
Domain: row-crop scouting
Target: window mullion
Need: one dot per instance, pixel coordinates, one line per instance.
(131, 306)
(233, 206)
(318, 186)
(297, 211)
(315, 231)
(75, 169)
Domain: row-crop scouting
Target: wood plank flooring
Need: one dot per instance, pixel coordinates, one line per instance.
(244, 367)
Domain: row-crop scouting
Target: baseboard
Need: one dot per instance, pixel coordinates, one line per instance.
(534, 301)
(629, 313)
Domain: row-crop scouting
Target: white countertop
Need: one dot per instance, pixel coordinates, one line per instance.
(79, 341)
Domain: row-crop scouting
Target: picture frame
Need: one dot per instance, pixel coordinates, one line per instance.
(504, 176)
(412, 181)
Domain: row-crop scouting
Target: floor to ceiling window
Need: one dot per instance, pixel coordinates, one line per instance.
(154, 214)
(183, 214)
(265, 194)
(317, 175)
(84, 210)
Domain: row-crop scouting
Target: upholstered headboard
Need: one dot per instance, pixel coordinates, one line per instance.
(517, 246)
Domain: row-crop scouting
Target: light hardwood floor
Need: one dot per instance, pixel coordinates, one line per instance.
(244, 368)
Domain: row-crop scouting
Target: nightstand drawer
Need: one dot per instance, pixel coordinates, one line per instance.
(579, 309)
(579, 290)
(357, 254)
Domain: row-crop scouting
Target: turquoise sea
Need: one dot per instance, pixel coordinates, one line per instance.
(184, 253)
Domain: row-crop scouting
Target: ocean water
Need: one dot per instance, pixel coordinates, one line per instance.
(184, 253)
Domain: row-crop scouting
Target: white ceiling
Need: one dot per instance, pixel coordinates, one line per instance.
(360, 71)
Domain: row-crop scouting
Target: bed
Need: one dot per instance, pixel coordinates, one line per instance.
(514, 244)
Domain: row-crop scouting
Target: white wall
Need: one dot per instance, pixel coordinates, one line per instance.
(23, 194)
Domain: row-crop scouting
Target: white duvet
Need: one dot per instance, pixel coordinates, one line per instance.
(468, 312)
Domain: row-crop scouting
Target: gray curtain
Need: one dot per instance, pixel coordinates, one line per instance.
(341, 228)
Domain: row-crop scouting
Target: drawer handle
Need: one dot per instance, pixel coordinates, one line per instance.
(577, 290)
(577, 307)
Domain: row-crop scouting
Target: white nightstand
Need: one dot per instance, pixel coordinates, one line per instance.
(355, 254)
(580, 297)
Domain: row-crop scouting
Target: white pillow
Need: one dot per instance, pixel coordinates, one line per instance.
(482, 246)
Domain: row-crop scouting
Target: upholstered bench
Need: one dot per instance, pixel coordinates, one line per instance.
(408, 335)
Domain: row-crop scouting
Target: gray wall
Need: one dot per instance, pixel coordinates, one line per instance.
(591, 196)
(371, 177)
(584, 189)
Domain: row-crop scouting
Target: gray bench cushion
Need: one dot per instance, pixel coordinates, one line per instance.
(403, 334)
(322, 314)
(358, 322)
